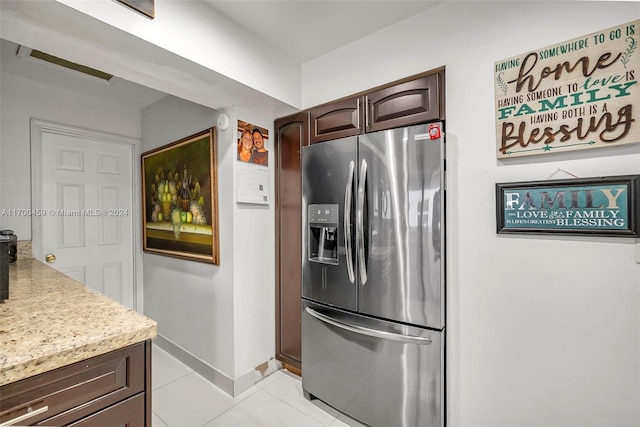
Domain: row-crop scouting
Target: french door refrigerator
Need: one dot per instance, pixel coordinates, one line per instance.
(373, 317)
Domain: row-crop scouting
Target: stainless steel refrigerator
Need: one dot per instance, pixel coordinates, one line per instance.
(373, 319)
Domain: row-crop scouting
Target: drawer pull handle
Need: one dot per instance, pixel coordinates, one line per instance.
(26, 416)
(368, 331)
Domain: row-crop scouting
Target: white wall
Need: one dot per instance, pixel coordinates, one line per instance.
(541, 331)
(192, 302)
(222, 315)
(254, 260)
(23, 99)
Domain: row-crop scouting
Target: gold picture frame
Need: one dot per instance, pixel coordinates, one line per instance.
(180, 199)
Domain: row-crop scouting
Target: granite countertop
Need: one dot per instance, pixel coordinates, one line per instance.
(50, 320)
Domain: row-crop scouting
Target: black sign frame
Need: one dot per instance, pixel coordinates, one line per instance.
(574, 219)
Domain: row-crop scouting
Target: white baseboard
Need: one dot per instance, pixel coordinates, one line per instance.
(229, 385)
(209, 372)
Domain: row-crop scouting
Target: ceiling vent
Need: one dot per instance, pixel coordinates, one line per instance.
(26, 52)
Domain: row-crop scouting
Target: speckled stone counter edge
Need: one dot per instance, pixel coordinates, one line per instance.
(49, 322)
(50, 362)
(25, 250)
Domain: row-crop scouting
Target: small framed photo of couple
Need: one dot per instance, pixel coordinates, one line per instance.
(252, 144)
(253, 164)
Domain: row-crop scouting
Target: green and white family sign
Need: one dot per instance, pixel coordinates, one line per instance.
(579, 94)
(597, 206)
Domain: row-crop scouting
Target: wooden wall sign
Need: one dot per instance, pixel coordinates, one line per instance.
(606, 206)
(579, 94)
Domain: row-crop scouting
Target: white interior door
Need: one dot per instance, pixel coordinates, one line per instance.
(86, 188)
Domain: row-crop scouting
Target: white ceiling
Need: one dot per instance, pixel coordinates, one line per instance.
(121, 92)
(301, 29)
(307, 29)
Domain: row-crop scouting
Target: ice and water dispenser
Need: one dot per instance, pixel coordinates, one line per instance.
(323, 233)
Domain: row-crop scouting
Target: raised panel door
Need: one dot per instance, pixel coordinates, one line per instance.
(338, 119)
(87, 195)
(416, 101)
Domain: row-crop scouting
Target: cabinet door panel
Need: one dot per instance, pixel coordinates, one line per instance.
(408, 103)
(336, 120)
(291, 136)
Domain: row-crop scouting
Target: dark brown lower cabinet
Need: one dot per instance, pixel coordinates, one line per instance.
(292, 133)
(109, 390)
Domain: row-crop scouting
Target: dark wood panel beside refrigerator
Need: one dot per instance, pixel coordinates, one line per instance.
(292, 133)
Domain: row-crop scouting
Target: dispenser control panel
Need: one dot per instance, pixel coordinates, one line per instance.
(323, 234)
(323, 214)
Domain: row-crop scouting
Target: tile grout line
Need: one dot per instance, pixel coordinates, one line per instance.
(161, 419)
(258, 388)
(302, 412)
(231, 407)
(170, 382)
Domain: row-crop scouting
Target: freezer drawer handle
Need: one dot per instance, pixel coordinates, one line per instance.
(347, 221)
(368, 331)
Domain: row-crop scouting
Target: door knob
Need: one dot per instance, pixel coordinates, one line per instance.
(50, 258)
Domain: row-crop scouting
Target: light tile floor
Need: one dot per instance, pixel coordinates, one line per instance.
(183, 398)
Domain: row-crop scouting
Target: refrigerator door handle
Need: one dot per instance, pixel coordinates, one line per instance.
(362, 263)
(348, 194)
(362, 330)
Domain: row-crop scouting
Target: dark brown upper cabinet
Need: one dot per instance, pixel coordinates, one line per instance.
(337, 120)
(405, 104)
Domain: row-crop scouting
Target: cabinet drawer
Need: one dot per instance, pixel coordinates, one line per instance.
(76, 390)
(129, 413)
